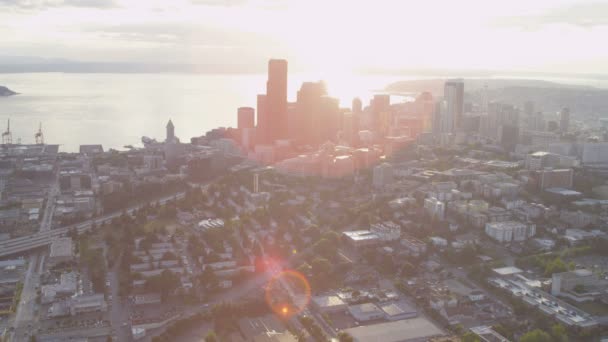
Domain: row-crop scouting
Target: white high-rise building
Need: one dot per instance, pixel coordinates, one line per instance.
(595, 153)
(508, 231)
(442, 121)
(485, 99)
(435, 207)
(386, 231)
(453, 94)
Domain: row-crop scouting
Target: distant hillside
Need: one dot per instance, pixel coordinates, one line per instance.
(435, 86)
(548, 97)
(4, 91)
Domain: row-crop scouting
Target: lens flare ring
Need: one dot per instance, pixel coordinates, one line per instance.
(287, 302)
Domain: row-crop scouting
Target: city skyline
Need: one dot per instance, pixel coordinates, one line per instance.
(303, 170)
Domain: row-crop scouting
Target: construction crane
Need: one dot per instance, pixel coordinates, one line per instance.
(7, 137)
(39, 136)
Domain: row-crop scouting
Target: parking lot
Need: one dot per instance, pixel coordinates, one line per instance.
(83, 321)
(342, 320)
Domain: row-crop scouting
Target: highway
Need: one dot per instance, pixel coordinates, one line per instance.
(49, 210)
(24, 318)
(45, 235)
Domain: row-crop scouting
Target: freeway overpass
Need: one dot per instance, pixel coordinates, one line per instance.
(44, 237)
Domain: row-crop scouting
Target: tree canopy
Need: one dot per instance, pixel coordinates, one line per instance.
(536, 335)
(163, 283)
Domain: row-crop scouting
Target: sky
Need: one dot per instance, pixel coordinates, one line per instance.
(518, 35)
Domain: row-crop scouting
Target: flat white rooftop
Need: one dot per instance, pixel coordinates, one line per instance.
(509, 270)
(413, 329)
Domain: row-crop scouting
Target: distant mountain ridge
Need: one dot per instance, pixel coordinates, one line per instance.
(435, 86)
(33, 64)
(4, 91)
(548, 97)
(28, 64)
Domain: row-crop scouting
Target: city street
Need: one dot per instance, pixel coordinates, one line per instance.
(25, 317)
(119, 310)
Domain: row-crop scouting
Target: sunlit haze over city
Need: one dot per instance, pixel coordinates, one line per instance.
(303, 171)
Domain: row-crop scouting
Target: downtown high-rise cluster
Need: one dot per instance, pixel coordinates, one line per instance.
(286, 129)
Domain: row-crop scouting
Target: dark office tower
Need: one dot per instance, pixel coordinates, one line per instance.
(246, 117)
(564, 120)
(509, 136)
(329, 118)
(441, 123)
(348, 127)
(552, 126)
(529, 108)
(470, 123)
(529, 116)
(308, 111)
(170, 132)
(276, 99)
(453, 94)
(499, 114)
(293, 124)
(357, 111)
(263, 123)
(357, 106)
(538, 122)
(425, 107)
(381, 106)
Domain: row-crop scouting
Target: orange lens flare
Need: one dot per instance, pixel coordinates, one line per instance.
(287, 293)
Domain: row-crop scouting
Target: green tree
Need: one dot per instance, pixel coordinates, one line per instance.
(579, 288)
(320, 267)
(169, 256)
(535, 335)
(321, 270)
(211, 337)
(559, 334)
(470, 337)
(343, 336)
(207, 279)
(407, 269)
(501, 329)
(332, 237)
(163, 283)
(325, 248)
(557, 265)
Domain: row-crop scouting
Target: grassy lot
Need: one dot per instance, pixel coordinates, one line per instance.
(154, 225)
(594, 308)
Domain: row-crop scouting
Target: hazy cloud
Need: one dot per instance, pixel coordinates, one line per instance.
(264, 4)
(45, 4)
(582, 14)
(181, 33)
(223, 3)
